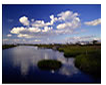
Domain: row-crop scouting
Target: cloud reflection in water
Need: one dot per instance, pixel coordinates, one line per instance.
(26, 56)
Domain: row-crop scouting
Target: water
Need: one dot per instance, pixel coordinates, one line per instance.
(19, 65)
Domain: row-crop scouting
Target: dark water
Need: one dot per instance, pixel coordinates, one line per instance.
(19, 65)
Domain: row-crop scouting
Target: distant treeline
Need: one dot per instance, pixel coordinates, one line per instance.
(54, 45)
(8, 46)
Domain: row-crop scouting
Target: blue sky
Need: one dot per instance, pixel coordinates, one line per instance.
(51, 23)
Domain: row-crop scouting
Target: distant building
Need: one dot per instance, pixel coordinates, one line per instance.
(82, 43)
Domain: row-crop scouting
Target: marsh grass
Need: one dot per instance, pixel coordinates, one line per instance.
(90, 63)
(73, 51)
(87, 58)
(49, 64)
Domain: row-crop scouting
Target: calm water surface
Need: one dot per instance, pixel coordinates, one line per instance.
(20, 66)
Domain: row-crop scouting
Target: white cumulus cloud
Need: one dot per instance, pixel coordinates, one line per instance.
(62, 23)
(38, 23)
(9, 35)
(67, 16)
(17, 30)
(47, 29)
(70, 19)
(33, 29)
(24, 35)
(93, 23)
(24, 20)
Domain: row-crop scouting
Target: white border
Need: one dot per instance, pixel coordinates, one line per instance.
(103, 26)
(51, 1)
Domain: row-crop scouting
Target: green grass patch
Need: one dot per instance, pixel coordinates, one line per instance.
(90, 63)
(49, 64)
(73, 51)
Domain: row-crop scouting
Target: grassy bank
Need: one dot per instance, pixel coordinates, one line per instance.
(90, 63)
(87, 58)
(73, 51)
(8, 46)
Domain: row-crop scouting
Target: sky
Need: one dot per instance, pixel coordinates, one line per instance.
(44, 24)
